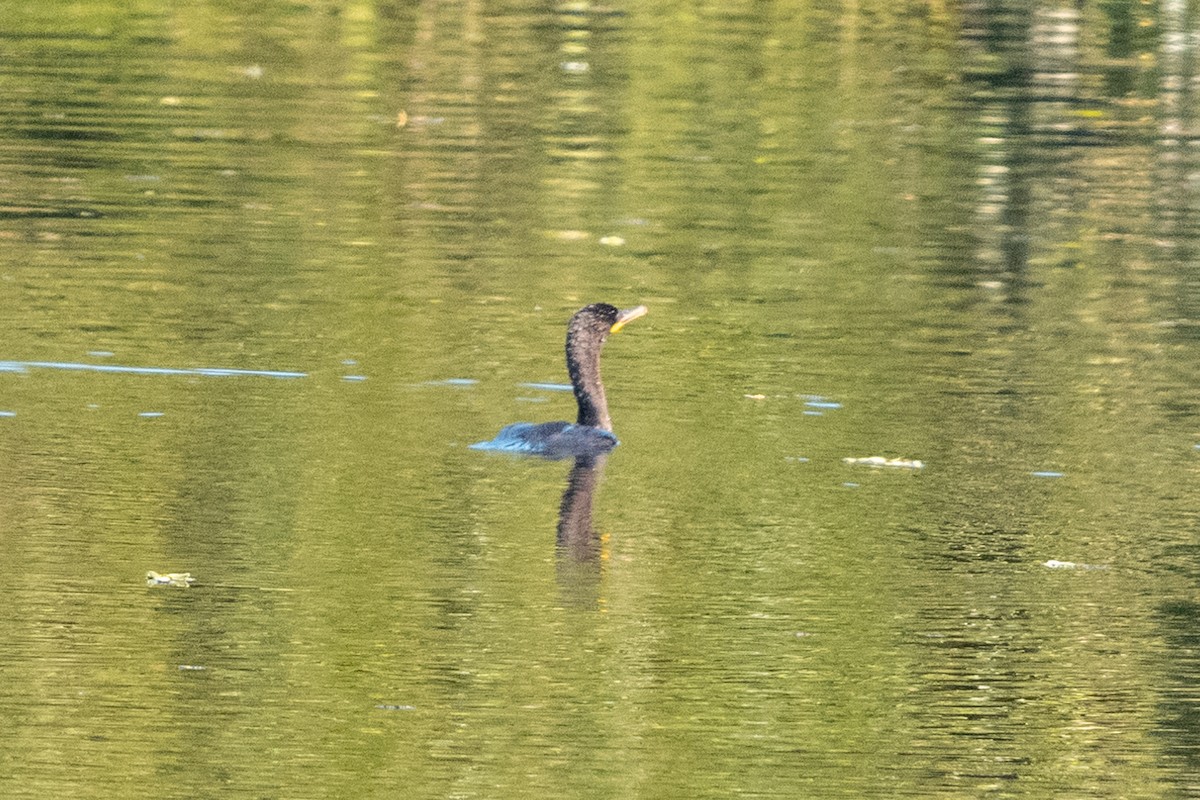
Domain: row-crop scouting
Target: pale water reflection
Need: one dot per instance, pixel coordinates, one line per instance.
(268, 271)
(211, 372)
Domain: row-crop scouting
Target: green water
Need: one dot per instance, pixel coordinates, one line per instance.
(964, 234)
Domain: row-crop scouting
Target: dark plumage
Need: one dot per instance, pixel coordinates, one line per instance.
(591, 433)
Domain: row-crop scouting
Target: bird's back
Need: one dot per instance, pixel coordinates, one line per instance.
(550, 440)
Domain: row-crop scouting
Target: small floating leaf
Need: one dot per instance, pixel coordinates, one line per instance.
(568, 235)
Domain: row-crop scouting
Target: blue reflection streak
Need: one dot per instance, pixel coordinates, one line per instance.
(451, 382)
(548, 387)
(209, 372)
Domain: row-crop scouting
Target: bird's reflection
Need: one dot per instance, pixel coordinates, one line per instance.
(579, 545)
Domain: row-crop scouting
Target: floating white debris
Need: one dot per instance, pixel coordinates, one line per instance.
(755, 396)
(880, 461)
(1054, 563)
(612, 241)
(169, 578)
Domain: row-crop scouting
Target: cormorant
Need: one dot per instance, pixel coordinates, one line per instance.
(591, 433)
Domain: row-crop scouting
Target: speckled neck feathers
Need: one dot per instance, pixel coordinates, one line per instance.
(585, 338)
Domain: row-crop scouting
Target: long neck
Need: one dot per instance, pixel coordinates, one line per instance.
(583, 364)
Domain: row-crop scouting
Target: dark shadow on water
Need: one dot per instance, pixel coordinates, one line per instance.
(580, 556)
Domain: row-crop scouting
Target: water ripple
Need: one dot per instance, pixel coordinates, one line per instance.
(210, 372)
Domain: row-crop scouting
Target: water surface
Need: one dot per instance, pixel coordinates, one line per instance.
(268, 271)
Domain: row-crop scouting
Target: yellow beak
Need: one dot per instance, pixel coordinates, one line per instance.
(627, 315)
